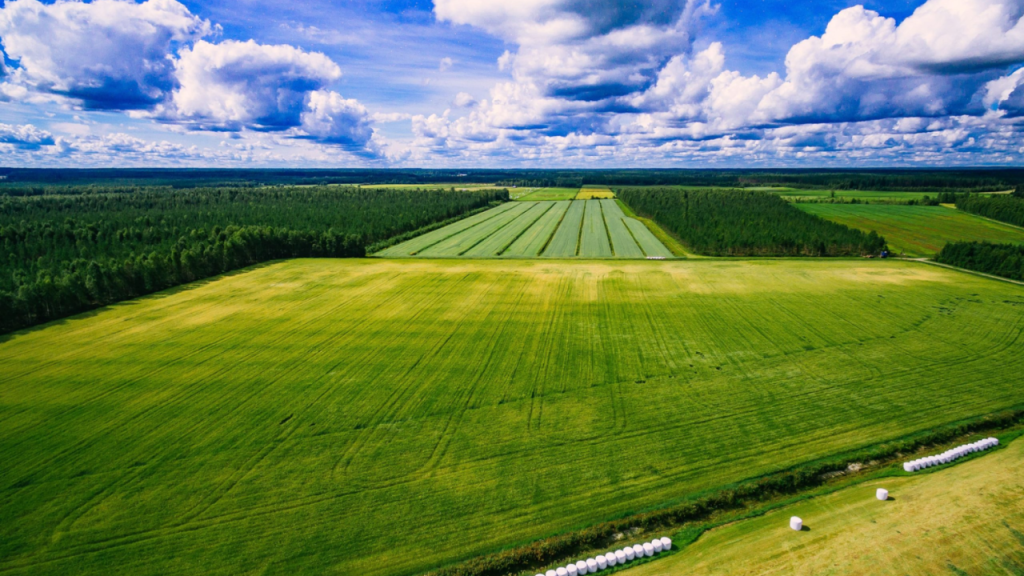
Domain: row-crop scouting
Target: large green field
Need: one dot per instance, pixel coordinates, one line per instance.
(585, 229)
(383, 417)
(917, 230)
(968, 519)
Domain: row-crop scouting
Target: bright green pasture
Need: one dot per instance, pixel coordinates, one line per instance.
(967, 519)
(917, 230)
(385, 417)
(550, 194)
(562, 229)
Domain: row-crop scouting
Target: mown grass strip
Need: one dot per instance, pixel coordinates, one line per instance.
(647, 241)
(500, 240)
(623, 244)
(459, 243)
(566, 238)
(594, 236)
(536, 238)
(417, 244)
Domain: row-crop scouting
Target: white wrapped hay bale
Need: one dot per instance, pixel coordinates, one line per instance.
(648, 549)
(551, 573)
(562, 571)
(638, 550)
(796, 523)
(592, 565)
(602, 562)
(882, 494)
(620, 556)
(908, 467)
(995, 441)
(581, 567)
(611, 559)
(629, 553)
(656, 544)
(571, 569)
(666, 543)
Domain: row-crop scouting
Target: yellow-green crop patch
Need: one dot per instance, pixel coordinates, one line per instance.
(584, 229)
(968, 519)
(550, 194)
(595, 193)
(385, 417)
(917, 230)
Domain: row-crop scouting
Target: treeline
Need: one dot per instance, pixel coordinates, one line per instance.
(1006, 260)
(61, 255)
(1005, 208)
(30, 181)
(740, 223)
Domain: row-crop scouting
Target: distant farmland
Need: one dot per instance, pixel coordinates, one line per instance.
(385, 417)
(917, 230)
(583, 229)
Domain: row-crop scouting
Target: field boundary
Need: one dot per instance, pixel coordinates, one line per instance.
(741, 495)
(950, 267)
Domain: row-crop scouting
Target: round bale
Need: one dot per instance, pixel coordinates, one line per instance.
(882, 494)
(620, 556)
(611, 559)
(581, 568)
(648, 549)
(638, 550)
(592, 565)
(796, 523)
(571, 569)
(602, 562)
(666, 543)
(656, 544)
(630, 554)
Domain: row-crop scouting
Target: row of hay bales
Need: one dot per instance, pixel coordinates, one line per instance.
(950, 455)
(620, 556)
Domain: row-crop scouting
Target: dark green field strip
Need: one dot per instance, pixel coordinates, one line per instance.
(563, 243)
(623, 244)
(413, 246)
(532, 241)
(496, 243)
(463, 241)
(594, 239)
(648, 242)
(918, 230)
(384, 417)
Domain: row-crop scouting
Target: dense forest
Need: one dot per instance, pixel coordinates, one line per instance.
(1007, 208)
(1006, 260)
(739, 223)
(60, 255)
(23, 181)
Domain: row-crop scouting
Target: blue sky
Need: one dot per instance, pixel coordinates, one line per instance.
(511, 83)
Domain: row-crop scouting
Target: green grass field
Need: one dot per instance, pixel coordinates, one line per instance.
(562, 229)
(917, 230)
(967, 519)
(549, 194)
(384, 417)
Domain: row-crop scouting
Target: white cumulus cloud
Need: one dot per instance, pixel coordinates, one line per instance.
(234, 84)
(107, 54)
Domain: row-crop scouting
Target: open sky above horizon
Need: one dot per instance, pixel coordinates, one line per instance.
(512, 83)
